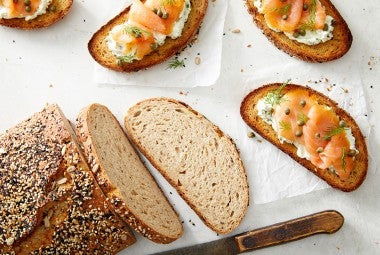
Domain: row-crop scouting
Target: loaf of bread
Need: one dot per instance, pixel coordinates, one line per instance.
(49, 201)
(99, 50)
(55, 12)
(250, 114)
(195, 156)
(322, 52)
(131, 190)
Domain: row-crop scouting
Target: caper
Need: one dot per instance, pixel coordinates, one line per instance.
(159, 13)
(15, 1)
(319, 150)
(302, 103)
(287, 111)
(351, 153)
(300, 122)
(251, 134)
(153, 46)
(165, 15)
(27, 2)
(155, 10)
(285, 17)
(342, 123)
(53, 8)
(299, 133)
(305, 6)
(325, 27)
(296, 34)
(27, 8)
(302, 32)
(317, 135)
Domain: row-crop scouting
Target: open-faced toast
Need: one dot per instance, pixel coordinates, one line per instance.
(322, 52)
(56, 10)
(322, 132)
(100, 52)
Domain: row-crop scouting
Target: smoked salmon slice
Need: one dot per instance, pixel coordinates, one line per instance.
(169, 10)
(20, 8)
(139, 13)
(282, 15)
(313, 15)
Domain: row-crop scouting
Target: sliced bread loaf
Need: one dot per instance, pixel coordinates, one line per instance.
(49, 200)
(195, 156)
(131, 189)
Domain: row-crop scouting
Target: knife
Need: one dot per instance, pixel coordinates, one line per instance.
(328, 222)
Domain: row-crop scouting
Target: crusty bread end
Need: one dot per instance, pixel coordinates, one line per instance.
(99, 50)
(249, 114)
(323, 52)
(62, 7)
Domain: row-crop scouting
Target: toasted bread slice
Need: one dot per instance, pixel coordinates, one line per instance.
(323, 52)
(131, 190)
(195, 156)
(99, 50)
(52, 15)
(249, 114)
(50, 202)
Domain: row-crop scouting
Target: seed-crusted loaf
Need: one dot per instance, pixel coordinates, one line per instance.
(49, 201)
(323, 52)
(131, 189)
(195, 156)
(99, 50)
(55, 12)
(249, 114)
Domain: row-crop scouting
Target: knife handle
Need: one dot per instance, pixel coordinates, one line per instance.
(322, 222)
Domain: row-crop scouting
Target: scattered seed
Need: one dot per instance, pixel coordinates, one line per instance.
(197, 60)
(236, 31)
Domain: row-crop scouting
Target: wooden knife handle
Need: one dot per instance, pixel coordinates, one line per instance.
(322, 222)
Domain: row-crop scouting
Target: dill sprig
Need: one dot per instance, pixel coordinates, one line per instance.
(176, 63)
(169, 2)
(283, 9)
(330, 132)
(275, 97)
(313, 9)
(126, 59)
(302, 117)
(135, 31)
(284, 125)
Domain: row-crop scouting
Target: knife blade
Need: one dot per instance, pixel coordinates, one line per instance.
(327, 222)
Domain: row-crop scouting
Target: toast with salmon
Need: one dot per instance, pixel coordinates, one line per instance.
(148, 21)
(195, 156)
(311, 30)
(312, 129)
(55, 11)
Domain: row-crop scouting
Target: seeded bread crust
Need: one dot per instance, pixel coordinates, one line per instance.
(127, 212)
(323, 52)
(99, 50)
(204, 166)
(62, 7)
(249, 114)
(50, 202)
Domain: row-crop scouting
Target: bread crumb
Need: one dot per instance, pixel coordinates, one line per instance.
(235, 31)
(249, 46)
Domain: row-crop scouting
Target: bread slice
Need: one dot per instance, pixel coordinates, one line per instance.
(49, 200)
(249, 114)
(99, 50)
(323, 52)
(131, 189)
(55, 12)
(195, 156)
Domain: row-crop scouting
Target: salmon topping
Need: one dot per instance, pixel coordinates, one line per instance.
(293, 15)
(299, 119)
(20, 8)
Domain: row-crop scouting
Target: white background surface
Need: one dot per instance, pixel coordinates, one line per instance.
(53, 65)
